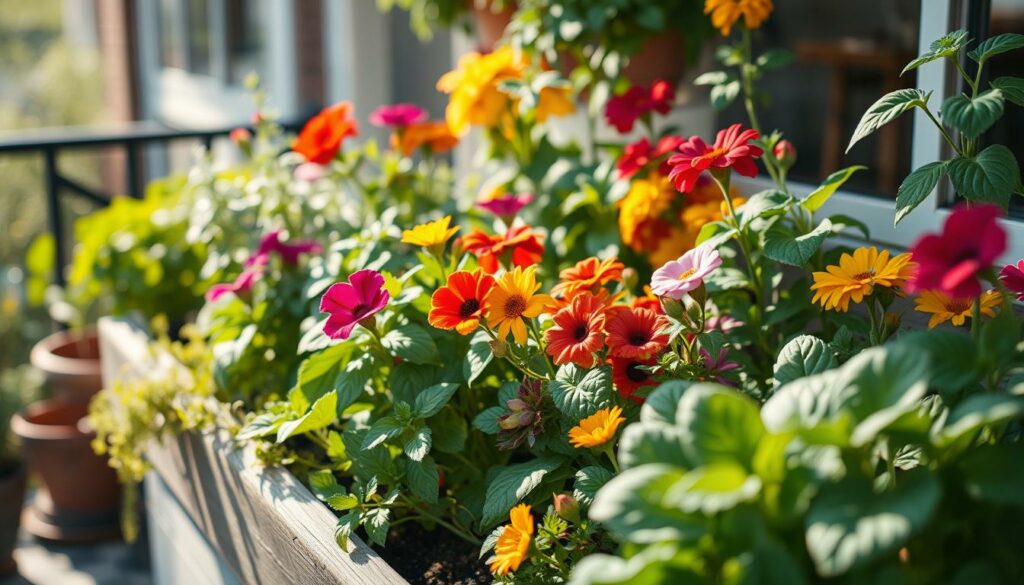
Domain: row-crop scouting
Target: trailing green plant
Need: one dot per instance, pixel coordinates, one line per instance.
(426, 16)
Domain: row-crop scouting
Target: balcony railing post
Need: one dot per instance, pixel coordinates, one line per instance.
(134, 185)
(56, 220)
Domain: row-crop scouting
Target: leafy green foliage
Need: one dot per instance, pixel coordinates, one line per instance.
(972, 116)
(886, 109)
(948, 45)
(990, 176)
(917, 187)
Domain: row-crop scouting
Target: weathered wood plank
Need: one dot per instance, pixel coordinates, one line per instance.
(265, 524)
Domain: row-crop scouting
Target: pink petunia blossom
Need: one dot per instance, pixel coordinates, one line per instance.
(950, 262)
(718, 366)
(289, 252)
(310, 172)
(1013, 277)
(686, 273)
(730, 150)
(349, 303)
(398, 115)
(508, 205)
(242, 284)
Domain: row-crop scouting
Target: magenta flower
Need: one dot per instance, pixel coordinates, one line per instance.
(289, 252)
(1013, 277)
(685, 274)
(243, 284)
(398, 115)
(349, 303)
(506, 206)
(714, 368)
(950, 262)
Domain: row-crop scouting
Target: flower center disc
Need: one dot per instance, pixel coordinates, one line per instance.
(468, 307)
(687, 274)
(514, 306)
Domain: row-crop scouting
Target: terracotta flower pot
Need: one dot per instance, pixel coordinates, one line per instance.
(79, 498)
(12, 495)
(70, 362)
(662, 56)
(490, 25)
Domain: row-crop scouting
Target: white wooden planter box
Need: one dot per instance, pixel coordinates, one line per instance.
(216, 517)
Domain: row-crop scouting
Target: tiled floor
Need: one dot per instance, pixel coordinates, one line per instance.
(44, 563)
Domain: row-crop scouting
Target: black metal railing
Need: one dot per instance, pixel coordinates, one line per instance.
(130, 138)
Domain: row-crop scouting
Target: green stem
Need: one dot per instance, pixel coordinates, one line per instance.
(949, 140)
(967, 78)
(540, 346)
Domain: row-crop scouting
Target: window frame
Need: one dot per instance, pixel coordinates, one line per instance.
(937, 18)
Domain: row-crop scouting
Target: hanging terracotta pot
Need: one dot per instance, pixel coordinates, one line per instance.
(70, 363)
(12, 495)
(663, 56)
(78, 499)
(490, 24)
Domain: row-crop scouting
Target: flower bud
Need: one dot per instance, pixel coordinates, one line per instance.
(785, 153)
(674, 308)
(567, 508)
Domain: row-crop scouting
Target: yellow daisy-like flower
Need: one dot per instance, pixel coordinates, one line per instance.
(725, 13)
(554, 101)
(473, 86)
(514, 543)
(513, 301)
(430, 234)
(597, 429)
(857, 276)
(945, 308)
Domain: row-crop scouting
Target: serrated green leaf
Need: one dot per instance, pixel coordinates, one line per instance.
(917, 187)
(418, 445)
(412, 343)
(990, 176)
(376, 522)
(998, 44)
(975, 412)
(511, 484)
(386, 428)
(949, 45)
(973, 116)
(886, 109)
(580, 392)
(781, 245)
(1012, 88)
(821, 195)
(764, 204)
(323, 412)
(661, 405)
(487, 421)
(589, 480)
(478, 356)
(431, 400)
(715, 234)
(805, 355)
(422, 478)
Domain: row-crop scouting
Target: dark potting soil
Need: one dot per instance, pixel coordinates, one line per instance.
(435, 557)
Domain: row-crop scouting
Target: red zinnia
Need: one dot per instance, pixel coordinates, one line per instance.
(519, 246)
(624, 110)
(1013, 277)
(971, 240)
(321, 137)
(731, 150)
(635, 333)
(462, 302)
(578, 332)
(639, 154)
(629, 375)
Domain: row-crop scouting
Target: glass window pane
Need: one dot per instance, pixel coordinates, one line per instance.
(1008, 17)
(245, 22)
(171, 24)
(199, 36)
(846, 56)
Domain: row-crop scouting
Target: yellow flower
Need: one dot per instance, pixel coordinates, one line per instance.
(513, 301)
(554, 101)
(857, 275)
(473, 86)
(725, 13)
(597, 429)
(646, 200)
(430, 234)
(944, 308)
(514, 543)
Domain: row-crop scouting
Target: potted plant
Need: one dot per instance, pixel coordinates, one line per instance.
(489, 17)
(70, 363)
(16, 386)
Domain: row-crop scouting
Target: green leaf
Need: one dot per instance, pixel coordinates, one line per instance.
(653, 565)
(781, 245)
(631, 507)
(450, 430)
(764, 204)
(431, 400)
(850, 525)
(886, 109)
(994, 474)
(513, 483)
(325, 487)
(1012, 88)
(580, 392)
(917, 187)
(841, 223)
(422, 478)
(654, 442)
(975, 412)
(803, 356)
(713, 488)
(319, 373)
(819, 196)
(386, 428)
(973, 116)
(715, 234)
(953, 356)
(323, 412)
(478, 356)
(990, 176)
(376, 522)
(261, 426)
(712, 78)
(411, 343)
(661, 405)
(948, 45)
(487, 421)
(347, 525)
(724, 94)
(588, 481)
(774, 59)
(719, 424)
(418, 445)
(996, 45)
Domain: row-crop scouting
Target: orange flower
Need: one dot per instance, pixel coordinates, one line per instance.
(519, 246)
(554, 101)
(578, 332)
(649, 300)
(434, 135)
(514, 543)
(321, 137)
(514, 301)
(462, 302)
(588, 274)
(597, 429)
(636, 333)
(476, 99)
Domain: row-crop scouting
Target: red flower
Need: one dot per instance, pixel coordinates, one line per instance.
(589, 274)
(578, 332)
(629, 375)
(639, 154)
(624, 110)
(462, 302)
(971, 240)
(731, 150)
(321, 138)
(519, 246)
(635, 333)
(1013, 277)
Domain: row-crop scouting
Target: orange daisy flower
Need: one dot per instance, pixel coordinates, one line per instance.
(321, 137)
(436, 136)
(519, 246)
(462, 302)
(513, 545)
(578, 332)
(587, 275)
(635, 333)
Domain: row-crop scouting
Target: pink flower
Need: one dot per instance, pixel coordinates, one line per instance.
(950, 262)
(685, 274)
(398, 115)
(271, 243)
(718, 366)
(240, 136)
(310, 172)
(349, 303)
(1013, 277)
(731, 150)
(243, 284)
(624, 110)
(639, 154)
(508, 205)
(785, 153)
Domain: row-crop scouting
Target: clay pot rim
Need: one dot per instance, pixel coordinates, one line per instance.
(24, 428)
(44, 358)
